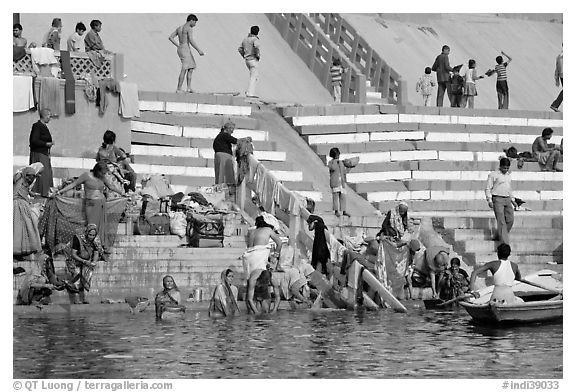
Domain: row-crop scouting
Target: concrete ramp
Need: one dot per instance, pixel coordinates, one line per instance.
(151, 60)
(410, 43)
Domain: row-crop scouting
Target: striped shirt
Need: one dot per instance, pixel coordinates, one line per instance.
(336, 72)
(501, 71)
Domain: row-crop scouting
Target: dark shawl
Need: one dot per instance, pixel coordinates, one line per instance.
(320, 251)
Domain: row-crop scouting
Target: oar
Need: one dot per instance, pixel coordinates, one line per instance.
(459, 298)
(539, 286)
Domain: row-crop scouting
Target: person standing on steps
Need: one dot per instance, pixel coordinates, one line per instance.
(185, 40)
(338, 169)
(501, 80)
(443, 70)
(249, 49)
(500, 198)
(40, 145)
(559, 76)
(336, 72)
(424, 86)
(223, 159)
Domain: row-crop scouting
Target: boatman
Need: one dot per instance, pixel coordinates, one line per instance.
(504, 272)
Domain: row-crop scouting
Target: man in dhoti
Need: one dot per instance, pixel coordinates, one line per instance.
(185, 40)
(258, 252)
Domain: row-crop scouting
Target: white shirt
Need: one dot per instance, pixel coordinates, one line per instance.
(75, 43)
(499, 185)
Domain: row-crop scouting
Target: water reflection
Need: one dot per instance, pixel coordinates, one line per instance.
(327, 344)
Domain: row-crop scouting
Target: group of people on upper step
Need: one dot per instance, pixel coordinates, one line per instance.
(461, 90)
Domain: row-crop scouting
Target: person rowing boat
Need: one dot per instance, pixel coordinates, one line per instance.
(504, 272)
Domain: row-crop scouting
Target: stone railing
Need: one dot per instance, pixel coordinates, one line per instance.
(385, 79)
(112, 66)
(317, 51)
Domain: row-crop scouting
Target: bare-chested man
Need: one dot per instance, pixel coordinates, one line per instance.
(256, 256)
(17, 36)
(185, 39)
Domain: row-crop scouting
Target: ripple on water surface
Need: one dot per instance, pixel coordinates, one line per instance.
(285, 345)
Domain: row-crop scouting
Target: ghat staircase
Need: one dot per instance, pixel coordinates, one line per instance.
(427, 158)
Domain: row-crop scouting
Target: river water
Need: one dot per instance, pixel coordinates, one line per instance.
(290, 344)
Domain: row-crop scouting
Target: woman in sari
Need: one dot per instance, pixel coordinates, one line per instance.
(320, 249)
(395, 223)
(110, 154)
(26, 238)
(82, 253)
(223, 302)
(95, 182)
(168, 300)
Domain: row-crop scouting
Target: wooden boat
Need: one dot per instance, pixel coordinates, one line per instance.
(530, 311)
(540, 305)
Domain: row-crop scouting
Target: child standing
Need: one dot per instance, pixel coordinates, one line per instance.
(336, 72)
(501, 80)
(338, 170)
(470, 79)
(425, 84)
(456, 87)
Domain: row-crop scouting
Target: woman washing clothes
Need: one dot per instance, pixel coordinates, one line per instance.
(95, 182)
(168, 300)
(26, 240)
(224, 299)
(395, 225)
(82, 253)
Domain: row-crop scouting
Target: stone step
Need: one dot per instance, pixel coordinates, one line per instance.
(464, 205)
(185, 171)
(490, 135)
(205, 152)
(147, 138)
(128, 267)
(324, 110)
(521, 220)
(192, 181)
(517, 234)
(424, 156)
(200, 162)
(212, 99)
(197, 132)
(324, 149)
(525, 246)
(371, 174)
(448, 122)
(522, 259)
(194, 108)
(147, 240)
(469, 185)
(446, 185)
(153, 280)
(197, 120)
(308, 130)
(177, 253)
(527, 196)
(530, 171)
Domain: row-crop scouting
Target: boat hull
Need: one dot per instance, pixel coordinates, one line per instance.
(520, 313)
